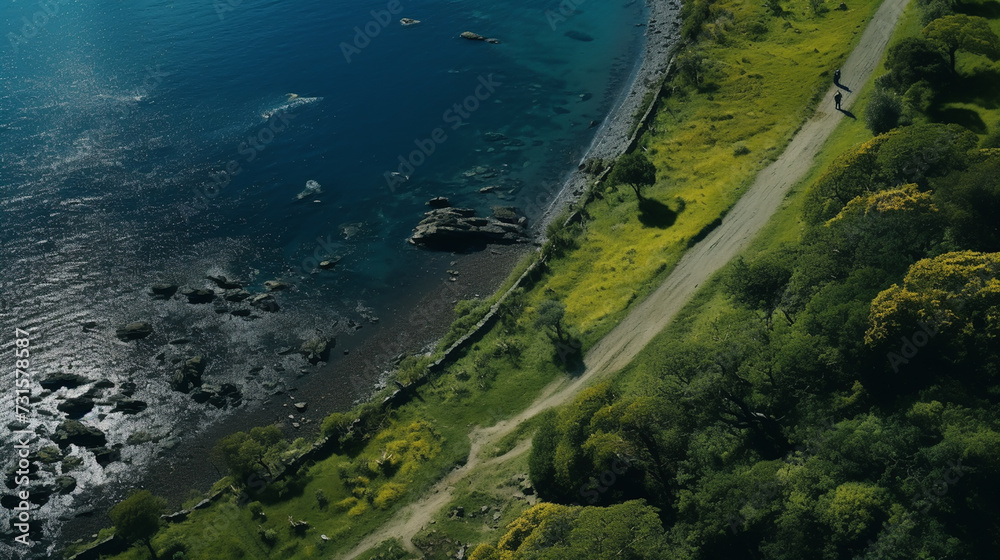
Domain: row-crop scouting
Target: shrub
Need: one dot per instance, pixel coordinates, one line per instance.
(346, 503)
(256, 509)
(268, 536)
(389, 494)
(358, 509)
(739, 149)
(883, 111)
(321, 499)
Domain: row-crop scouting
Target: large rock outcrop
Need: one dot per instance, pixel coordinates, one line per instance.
(451, 228)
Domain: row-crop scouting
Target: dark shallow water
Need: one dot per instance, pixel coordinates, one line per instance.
(118, 122)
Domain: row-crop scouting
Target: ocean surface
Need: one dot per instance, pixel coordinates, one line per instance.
(156, 141)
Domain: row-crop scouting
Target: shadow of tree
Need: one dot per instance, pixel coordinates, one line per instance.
(979, 87)
(653, 213)
(988, 10)
(964, 117)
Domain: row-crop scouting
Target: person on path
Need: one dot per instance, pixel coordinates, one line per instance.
(837, 98)
(836, 76)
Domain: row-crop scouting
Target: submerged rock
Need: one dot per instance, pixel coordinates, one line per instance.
(225, 283)
(134, 331)
(451, 228)
(578, 36)
(408, 21)
(235, 295)
(439, 202)
(265, 302)
(477, 37)
(276, 285)
(58, 380)
(130, 406)
(199, 295)
(329, 263)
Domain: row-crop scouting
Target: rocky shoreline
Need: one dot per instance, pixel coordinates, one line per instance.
(613, 137)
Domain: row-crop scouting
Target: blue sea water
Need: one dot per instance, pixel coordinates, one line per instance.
(159, 141)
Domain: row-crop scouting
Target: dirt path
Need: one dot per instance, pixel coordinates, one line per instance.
(623, 343)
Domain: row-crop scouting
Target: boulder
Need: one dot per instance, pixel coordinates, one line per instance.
(130, 406)
(477, 37)
(76, 433)
(224, 283)
(163, 291)
(276, 285)
(70, 463)
(49, 455)
(106, 455)
(218, 396)
(454, 228)
(317, 349)
(76, 407)
(189, 375)
(65, 484)
(199, 295)
(265, 302)
(58, 380)
(235, 295)
(134, 331)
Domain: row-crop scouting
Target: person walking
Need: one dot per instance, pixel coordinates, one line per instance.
(837, 98)
(836, 76)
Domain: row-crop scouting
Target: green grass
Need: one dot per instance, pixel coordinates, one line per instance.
(756, 95)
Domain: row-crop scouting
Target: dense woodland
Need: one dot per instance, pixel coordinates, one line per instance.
(844, 402)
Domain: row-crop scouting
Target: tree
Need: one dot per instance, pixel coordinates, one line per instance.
(243, 452)
(635, 171)
(955, 293)
(761, 284)
(971, 200)
(550, 315)
(888, 229)
(913, 60)
(962, 32)
(137, 518)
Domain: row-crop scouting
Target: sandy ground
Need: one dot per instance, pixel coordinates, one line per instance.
(646, 320)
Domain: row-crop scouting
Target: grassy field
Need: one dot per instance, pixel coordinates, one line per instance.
(742, 93)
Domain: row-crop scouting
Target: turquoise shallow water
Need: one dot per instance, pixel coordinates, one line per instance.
(156, 141)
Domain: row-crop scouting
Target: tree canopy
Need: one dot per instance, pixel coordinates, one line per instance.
(971, 34)
(635, 171)
(137, 518)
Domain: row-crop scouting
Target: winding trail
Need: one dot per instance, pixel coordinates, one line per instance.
(646, 320)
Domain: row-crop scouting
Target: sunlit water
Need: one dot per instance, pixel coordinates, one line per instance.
(157, 141)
